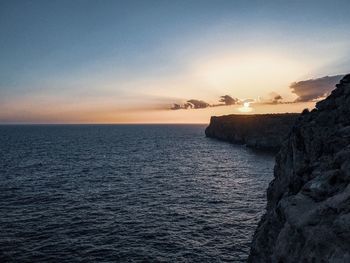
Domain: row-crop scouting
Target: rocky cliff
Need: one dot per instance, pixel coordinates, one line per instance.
(308, 210)
(263, 131)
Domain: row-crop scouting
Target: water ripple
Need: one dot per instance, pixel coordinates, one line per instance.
(127, 194)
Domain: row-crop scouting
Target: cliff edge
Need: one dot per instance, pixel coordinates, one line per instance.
(307, 217)
(261, 131)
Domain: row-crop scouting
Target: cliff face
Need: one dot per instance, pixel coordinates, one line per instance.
(263, 131)
(308, 210)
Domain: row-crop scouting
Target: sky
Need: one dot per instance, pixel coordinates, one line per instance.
(131, 61)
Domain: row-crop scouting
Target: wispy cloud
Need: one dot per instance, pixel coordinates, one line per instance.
(191, 104)
(225, 100)
(306, 90)
(313, 89)
(228, 100)
(272, 98)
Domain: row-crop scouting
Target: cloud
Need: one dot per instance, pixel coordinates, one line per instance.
(225, 100)
(191, 104)
(313, 89)
(274, 98)
(197, 104)
(176, 107)
(277, 99)
(306, 90)
(271, 98)
(228, 100)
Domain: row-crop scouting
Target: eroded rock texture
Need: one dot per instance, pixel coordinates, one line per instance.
(308, 210)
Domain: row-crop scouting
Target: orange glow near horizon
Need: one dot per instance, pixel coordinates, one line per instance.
(148, 100)
(114, 115)
(121, 62)
(251, 74)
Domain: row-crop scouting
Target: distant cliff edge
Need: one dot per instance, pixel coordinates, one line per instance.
(307, 217)
(262, 131)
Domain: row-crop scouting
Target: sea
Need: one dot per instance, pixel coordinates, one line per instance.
(127, 193)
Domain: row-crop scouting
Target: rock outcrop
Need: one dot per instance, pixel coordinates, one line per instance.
(263, 131)
(307, 217)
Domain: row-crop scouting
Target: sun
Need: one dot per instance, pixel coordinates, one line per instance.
(246, 107)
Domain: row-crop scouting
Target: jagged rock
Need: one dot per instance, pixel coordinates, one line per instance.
(307, 216)
(263, 131)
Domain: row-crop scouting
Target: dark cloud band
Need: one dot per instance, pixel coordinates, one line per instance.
(313, 89)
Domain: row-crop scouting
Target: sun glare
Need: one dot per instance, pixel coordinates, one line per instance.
(246, 107)
(249, 74)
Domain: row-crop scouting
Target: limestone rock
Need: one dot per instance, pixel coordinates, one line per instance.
(263, 131)
(307, 217)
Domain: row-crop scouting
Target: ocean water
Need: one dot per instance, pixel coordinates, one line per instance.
(127, 193)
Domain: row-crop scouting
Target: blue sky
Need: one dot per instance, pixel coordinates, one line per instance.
(132, 53)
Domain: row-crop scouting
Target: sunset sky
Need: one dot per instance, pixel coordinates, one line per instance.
(130, 61)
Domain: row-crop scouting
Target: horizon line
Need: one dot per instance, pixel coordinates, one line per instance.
(117, 123)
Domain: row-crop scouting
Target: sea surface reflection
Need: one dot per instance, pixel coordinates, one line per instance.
(127, 193)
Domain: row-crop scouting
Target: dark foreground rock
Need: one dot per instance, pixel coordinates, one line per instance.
(262, 131)
(308, 210)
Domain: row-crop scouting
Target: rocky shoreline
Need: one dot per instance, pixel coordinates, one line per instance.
(307, 217)
(261, 131)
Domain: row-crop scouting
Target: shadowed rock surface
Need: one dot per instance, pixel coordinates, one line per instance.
(308, 209)
(262, 131)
